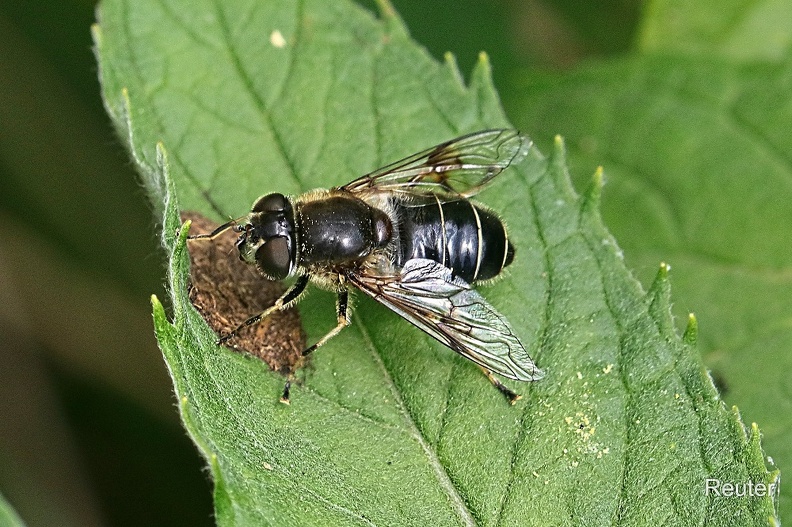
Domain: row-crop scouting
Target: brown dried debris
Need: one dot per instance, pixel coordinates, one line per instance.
(226, 291)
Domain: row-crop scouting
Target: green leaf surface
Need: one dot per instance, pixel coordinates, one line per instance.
(389, 427)
(734, 29)
(8, 516)
(696, 153)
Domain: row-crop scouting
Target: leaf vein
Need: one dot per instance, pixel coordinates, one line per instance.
(543, 332)
(254, 95)
(458, 504)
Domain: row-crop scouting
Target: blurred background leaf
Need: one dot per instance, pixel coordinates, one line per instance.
(734, 29)
(78, 247)
(8, 516)
(89, 434)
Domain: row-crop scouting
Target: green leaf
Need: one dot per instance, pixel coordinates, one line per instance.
(8, 516)
(697, 156)
(389, 427)
(735, 29)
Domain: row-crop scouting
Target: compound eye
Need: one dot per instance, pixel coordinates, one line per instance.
(271, 203)
(273, 258)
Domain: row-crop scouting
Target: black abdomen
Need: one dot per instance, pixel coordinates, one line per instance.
(469, 240)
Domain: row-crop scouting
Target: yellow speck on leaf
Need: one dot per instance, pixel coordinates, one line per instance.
(277, 40)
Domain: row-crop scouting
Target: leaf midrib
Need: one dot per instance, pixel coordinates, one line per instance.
(249, 87)
(458, 504)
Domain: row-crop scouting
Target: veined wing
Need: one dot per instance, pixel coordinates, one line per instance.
(457, 168)
(450, 310)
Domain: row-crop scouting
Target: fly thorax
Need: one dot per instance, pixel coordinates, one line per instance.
(340, 229)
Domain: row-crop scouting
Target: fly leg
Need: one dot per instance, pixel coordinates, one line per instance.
(343, 316)
(280, 304)
(510, 395)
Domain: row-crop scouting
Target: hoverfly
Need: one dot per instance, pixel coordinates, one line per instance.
(408, 236)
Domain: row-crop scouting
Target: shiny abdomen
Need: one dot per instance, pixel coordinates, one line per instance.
(469, 240)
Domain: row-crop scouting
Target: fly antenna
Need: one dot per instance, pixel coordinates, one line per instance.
(218, 231)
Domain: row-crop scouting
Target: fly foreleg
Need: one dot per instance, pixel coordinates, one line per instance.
(280, 304)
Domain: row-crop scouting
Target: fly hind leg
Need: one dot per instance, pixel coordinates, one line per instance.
(508, 393)
(343, 316)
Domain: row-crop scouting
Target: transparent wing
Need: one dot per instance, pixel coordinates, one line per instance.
(459, 167)
(448, 309)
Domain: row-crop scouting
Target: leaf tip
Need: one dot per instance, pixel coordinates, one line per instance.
(393, 22)
(184, 230)
(453, 67)
(593, 194)
(660, 289)
(558, 156)
(158, 312)
(483, 62)
(96, 34)
(386, 9)
(659, 296)
(482, 70)
(691, 331)
(558, 169)
(162, 154)
(660, 285)
(599, 176)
